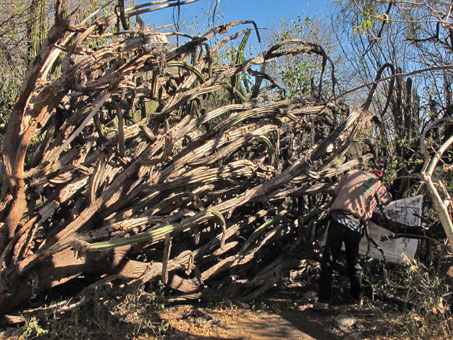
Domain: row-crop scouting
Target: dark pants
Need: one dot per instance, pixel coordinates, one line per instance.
(337, 234)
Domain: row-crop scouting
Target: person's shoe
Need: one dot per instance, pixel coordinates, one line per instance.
(359, 304)
(321, 306)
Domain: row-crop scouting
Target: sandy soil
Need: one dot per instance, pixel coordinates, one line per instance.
(276, 317)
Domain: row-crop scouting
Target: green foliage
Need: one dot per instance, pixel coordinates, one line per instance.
(297, 73)
(364, 27)
(31, 329)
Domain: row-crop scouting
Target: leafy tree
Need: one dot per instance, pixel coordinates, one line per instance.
(301, 75)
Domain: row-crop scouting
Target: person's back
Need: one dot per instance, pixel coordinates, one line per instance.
(359, 192)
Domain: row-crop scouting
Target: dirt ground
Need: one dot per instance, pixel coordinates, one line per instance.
(285, 314)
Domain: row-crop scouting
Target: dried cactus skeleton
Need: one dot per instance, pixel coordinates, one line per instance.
(143, 161)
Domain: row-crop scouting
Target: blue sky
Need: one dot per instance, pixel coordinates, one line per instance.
(265, 13)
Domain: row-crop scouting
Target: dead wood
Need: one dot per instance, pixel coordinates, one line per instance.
(135, 160)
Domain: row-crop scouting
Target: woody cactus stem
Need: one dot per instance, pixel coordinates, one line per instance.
(93, 191)
(437, 190)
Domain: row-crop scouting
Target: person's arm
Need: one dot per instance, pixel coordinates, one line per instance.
(383, 196)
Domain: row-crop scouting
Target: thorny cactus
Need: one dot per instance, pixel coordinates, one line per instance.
(123, 166)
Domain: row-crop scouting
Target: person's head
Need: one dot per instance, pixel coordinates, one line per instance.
(378, 173)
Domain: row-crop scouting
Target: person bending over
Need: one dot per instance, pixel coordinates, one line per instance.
(357, 195)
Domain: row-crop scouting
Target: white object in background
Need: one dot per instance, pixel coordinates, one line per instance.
(406, 211)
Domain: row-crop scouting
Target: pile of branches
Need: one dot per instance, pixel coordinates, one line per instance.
(129, 159)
